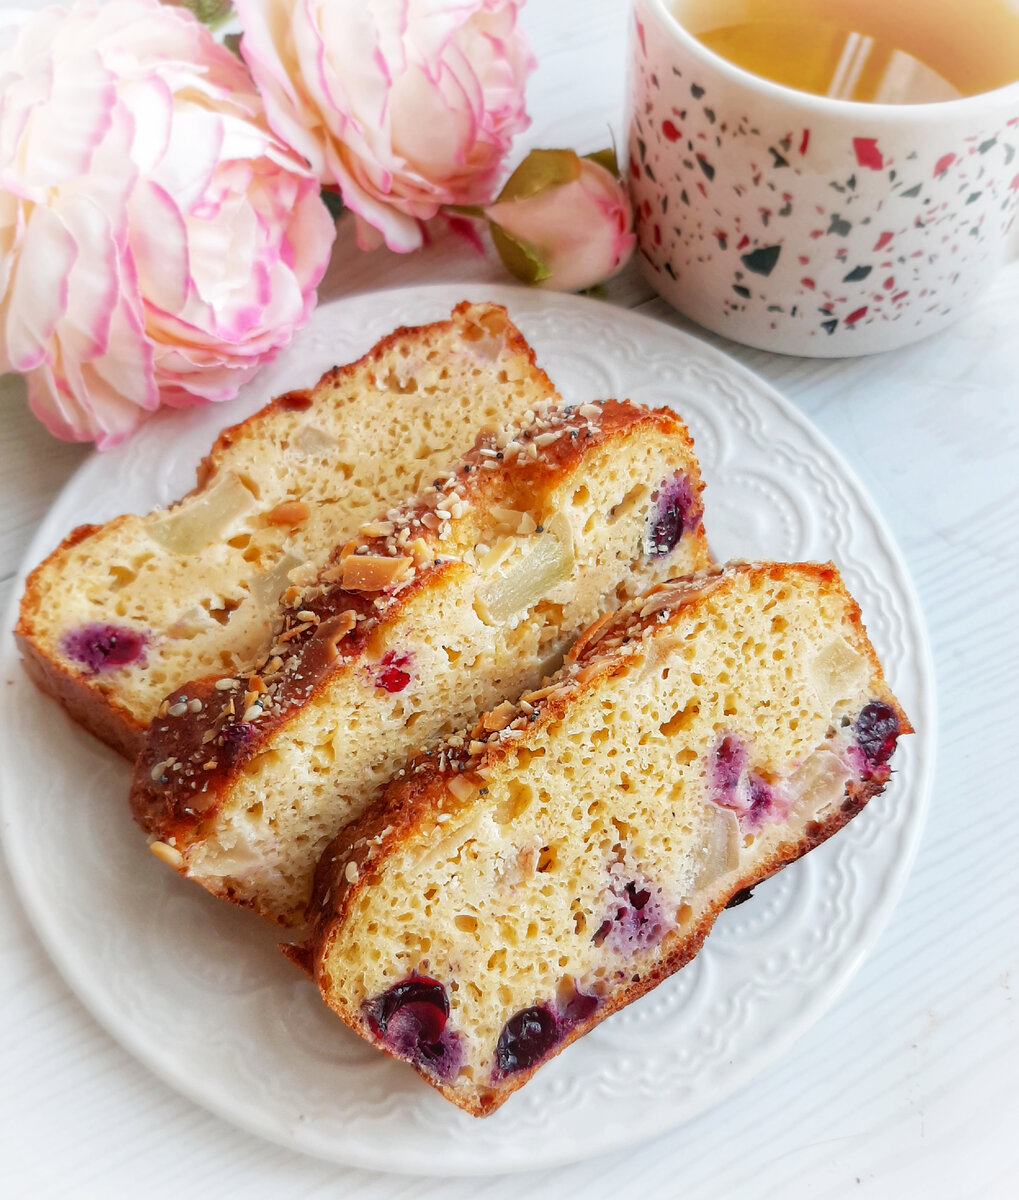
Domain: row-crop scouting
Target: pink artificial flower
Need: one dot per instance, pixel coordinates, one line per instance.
(157, 242)
(404, 105)
(562, 222)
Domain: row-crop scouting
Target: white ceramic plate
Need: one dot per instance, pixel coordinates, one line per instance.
(196, 988)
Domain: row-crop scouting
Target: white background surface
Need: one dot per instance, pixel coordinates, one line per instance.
(908, 1086)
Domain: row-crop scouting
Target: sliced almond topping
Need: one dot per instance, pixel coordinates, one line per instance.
(376, 529)
(350, 872)
(461, 789)
(421, 551)
(500, 717)
(588, 637)
(290, 512)
(335, 629)
(160, 768)
(372, 572)
(588, 672)
(168, 854)
(505, 518)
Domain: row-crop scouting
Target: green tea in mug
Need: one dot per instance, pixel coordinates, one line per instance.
(874, 51)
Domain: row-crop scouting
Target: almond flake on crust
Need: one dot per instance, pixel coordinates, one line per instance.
(372, 572)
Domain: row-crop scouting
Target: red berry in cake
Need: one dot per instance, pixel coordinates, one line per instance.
(727, 765)
(637, 921)
(526, 1039)
(100, 647)
(877, 730)
(675, 512)
(393, 677)
(410, 1019)
(237, 736)
(749, 795)
(763, 804)
(577, 1007)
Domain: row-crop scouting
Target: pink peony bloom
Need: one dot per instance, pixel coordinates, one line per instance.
(562, 222)
(404, 105)
(157, 241)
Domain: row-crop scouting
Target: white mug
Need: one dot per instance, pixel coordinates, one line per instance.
(807, 225)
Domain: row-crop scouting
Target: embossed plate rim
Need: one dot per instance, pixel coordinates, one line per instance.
(496, 1144)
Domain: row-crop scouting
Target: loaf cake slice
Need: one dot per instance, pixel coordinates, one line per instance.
(446, 607)
(514, 889)
(121, 614)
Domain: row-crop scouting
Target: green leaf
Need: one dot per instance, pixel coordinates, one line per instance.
(519, 258)
(541, 169)
(232, 41)
(333, 201)
(209, 12)
(606, 158)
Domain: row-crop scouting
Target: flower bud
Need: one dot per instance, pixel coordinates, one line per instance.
(563, 222)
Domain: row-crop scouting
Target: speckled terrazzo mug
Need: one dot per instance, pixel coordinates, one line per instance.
(807, 225)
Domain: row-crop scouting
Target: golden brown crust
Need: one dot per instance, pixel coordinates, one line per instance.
(168, 805)
(101, 715)
(109, 722)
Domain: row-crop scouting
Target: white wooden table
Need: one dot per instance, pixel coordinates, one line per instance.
(909, 1086)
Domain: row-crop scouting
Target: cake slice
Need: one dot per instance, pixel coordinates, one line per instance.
(446, 607)
(512, 890)
(121, 614)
